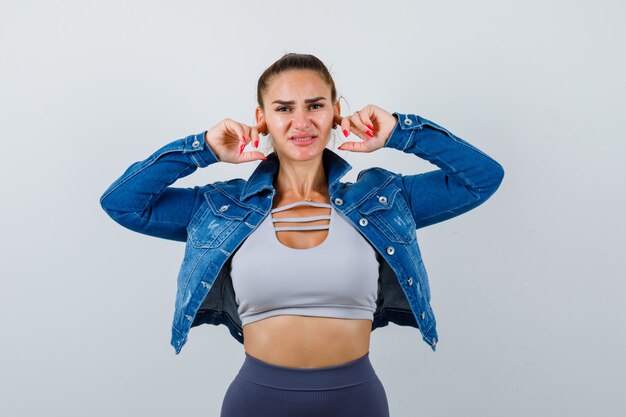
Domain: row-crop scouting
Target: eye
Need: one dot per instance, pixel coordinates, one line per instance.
(319, 106)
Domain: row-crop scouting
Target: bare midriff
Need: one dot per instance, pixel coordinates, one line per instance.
(307, 342)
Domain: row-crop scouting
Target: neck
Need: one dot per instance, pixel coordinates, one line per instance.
(306, 178)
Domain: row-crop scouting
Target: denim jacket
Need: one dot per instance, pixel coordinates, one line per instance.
(385, 207)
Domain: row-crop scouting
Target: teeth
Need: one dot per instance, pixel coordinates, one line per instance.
(310, 137)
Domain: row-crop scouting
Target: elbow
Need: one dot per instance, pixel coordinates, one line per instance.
(103, 204)
(116, 211)
(129, 220)
(497, 175)
(494, 175)
(109, 206)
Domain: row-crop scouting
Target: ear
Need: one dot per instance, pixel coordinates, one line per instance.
(337, 111)
(259, 116)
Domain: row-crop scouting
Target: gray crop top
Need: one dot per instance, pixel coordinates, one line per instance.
(337, 278)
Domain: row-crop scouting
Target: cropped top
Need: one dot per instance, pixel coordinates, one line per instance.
(337, 278)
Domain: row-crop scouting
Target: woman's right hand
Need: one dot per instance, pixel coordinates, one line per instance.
(228, 138)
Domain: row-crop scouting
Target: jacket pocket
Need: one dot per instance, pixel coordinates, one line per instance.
(388, 211)
(217, 219)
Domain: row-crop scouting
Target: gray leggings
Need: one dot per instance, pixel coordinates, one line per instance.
(261, 389)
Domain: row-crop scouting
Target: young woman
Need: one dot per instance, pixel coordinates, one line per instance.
(299, 266)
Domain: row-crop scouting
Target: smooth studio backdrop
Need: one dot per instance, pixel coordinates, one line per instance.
(527, 289)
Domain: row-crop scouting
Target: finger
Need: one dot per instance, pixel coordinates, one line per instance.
(252, 156)
(337, 121)
(261, 127)
(358, 122)
(246, 137)
(345, 126)
(234, 128)
(247, 132)
(254, 136)
(360, 134)
(358, 131)
(366, 116)
(237, 130)
(353, 147)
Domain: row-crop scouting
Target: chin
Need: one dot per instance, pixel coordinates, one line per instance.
(300, 154)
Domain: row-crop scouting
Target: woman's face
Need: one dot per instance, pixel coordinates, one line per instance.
(298, 106)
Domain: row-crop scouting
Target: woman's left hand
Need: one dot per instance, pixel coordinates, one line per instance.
(372, 124)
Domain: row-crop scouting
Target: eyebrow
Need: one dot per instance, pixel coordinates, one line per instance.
(308, 100)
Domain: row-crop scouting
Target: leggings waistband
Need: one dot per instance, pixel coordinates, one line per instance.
(329, 377)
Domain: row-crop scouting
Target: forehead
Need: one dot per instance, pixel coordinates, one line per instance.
(294, 84)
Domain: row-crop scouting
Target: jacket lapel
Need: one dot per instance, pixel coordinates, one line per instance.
(263, 176)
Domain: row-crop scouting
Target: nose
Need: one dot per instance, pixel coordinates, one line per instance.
(300, 119)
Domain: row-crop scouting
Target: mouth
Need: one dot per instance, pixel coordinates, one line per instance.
(303, 139)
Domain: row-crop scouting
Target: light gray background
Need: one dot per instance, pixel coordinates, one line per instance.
(527, 288)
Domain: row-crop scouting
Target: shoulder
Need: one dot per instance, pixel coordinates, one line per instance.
(369, 181)
(376, 177)
(222, 199)
(232, 186)
(374, 174)
(230, 189)
(372, 181)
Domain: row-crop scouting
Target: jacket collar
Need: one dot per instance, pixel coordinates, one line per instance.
(263, 176)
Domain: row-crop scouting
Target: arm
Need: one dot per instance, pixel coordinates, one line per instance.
(467, 176)
(141, 199)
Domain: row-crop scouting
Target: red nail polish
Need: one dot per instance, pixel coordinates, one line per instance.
(370, 134)
(370, 126)
(345, 133)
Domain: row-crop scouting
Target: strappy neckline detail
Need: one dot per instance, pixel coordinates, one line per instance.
(278, 209)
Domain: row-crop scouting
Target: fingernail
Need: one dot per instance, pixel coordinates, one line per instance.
(345, 133)
(370, 126)
(241, 148)
(370, 134)
(256, 144)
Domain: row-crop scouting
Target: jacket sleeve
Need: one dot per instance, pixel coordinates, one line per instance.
(466, 177)
(142, 199)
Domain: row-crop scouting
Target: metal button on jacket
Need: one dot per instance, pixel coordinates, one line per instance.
(410, 281)
(363, 222)
(338, 201)
(391, 250)
(224, 208)
(195, 144)
(408, 121)
(382, 199)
